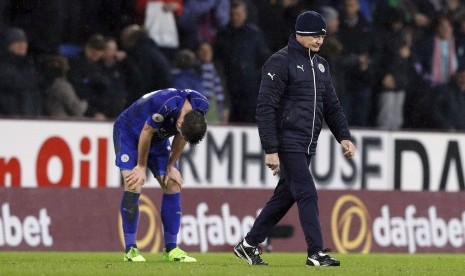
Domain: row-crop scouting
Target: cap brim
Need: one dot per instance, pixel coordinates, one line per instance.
(310, 33)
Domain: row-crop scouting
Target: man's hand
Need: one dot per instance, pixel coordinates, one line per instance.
(172, 174)
(349, 148)
(136, 177)
(272, 162)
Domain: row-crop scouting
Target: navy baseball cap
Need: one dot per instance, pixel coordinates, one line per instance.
(310, 23)
(14, 35)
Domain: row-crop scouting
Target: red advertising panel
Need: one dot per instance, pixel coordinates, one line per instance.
(215, 220)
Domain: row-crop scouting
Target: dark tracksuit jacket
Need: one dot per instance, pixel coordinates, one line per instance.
(296, 95)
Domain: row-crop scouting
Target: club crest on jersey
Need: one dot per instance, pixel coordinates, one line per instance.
(321, 67)
(157, 118)
(124, 158)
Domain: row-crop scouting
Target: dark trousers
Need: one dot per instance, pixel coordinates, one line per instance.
(295, 185)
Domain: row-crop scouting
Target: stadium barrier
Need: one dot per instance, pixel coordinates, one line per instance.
(80, 155)
(60, 190)
(216, 219)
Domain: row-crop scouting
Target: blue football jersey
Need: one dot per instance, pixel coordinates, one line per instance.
(160, 109)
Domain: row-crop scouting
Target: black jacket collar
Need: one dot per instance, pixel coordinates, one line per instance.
(294, 45)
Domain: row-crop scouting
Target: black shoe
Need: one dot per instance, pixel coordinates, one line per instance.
(249, 254)
(322, 259)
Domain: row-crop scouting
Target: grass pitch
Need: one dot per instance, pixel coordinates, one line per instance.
(221, 264)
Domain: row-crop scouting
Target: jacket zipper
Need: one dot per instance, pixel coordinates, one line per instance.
(314, 102)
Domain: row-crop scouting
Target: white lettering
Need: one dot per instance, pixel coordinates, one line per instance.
(438, 228)
(215, 230)
(188, 232)
(202, 208)
(34, 231)
(31, 231)
(410, 231)
(455, 232)
(381, 229)
(45, 221)
(399, 235)
(423, 233)
(232, 225)
(410, 223)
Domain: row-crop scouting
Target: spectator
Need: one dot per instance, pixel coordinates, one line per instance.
(437, 54)
(418, 14)
(86, 76)
(449, 107)
(332, 50)
(114, 97)
(176, 6)
(160, 23)
(85, 18)
(185, 74)
(61, 100)
(281, 15)
(154, 67)
(42, 21)
(365, 9)
(356, 36)
(455, 11)
(19, 93)
(395, 72)
(423, 14)
(212, 86)
(460, 42)
(4, 15)
(134, 80)
(200, 21)
(242, 50)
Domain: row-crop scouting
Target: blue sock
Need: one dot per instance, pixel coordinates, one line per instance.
(171, 218)
(130, 215)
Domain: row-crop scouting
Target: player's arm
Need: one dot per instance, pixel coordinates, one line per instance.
(138, 174)
(172, 173)
(272, 86)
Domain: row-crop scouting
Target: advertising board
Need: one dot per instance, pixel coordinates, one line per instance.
(216, 219)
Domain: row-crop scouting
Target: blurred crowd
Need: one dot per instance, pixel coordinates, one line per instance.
(395, 63)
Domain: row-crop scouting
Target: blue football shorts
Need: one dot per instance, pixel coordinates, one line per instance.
(126, 144)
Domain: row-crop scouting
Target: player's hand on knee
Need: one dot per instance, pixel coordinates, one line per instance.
(172, 174)
(172, 187)
(136, 177)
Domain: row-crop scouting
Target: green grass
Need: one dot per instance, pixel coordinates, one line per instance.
(221, 264)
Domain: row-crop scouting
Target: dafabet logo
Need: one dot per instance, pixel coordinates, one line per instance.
(351, 225)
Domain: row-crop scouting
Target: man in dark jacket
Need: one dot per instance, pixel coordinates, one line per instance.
(86, 76)
(145, 57)
(19, 92)
(448, 107)
(296, 95)
(241, 48)
(356, 35)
